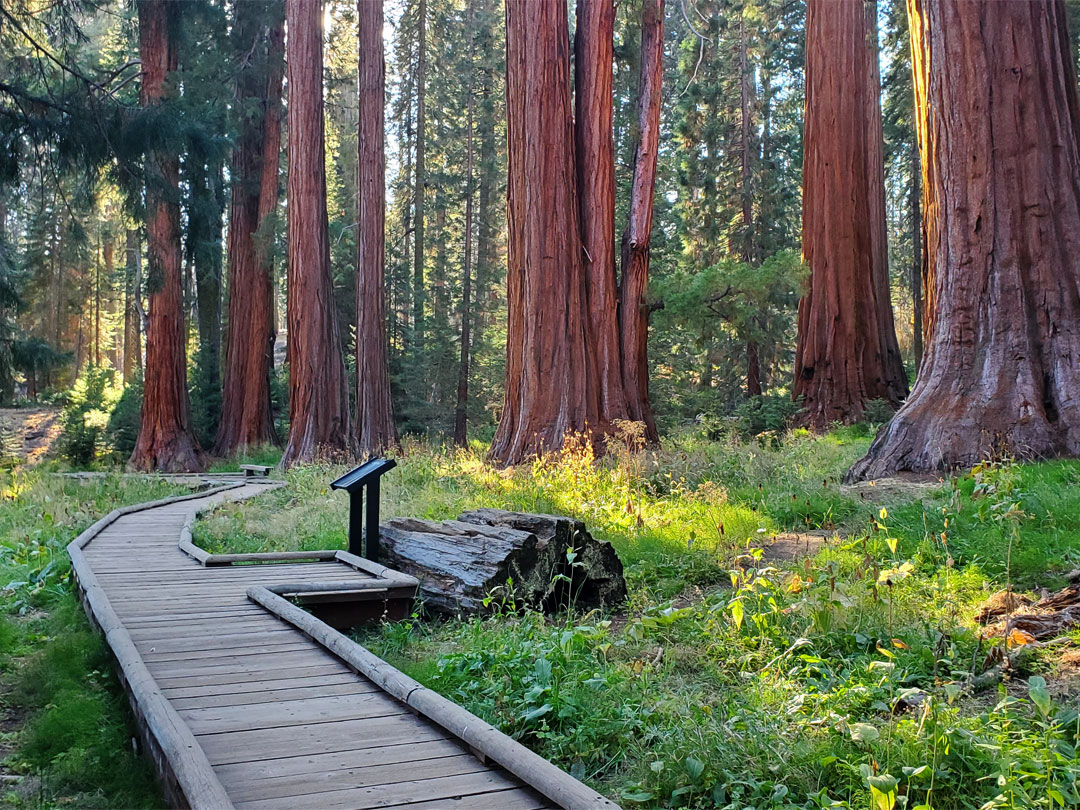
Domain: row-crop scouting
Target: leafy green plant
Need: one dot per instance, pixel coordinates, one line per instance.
(85, 418)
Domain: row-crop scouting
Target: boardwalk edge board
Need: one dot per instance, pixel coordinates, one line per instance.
(483, 738)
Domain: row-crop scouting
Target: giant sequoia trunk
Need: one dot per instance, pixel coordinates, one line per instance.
(374, 414)
(633, 311)
(998, 117)
(246, 418)
(166, 441)
(547, 392)
(847, 352)
(318, 398)
(595, 144)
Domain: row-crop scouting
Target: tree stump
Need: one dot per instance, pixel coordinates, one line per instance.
(490, 558)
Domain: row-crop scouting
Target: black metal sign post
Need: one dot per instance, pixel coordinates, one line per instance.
(364, 539)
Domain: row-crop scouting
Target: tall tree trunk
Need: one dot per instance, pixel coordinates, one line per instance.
(132, 321)
(246, 417)
(998, 117)
(461, 410)
(97, 303)
(547, 392)
(918, 256)
(375, 430)
(318, 398)
(418, 188)
(746, 192)
(633, 286)
(847, 352)
(595, 149)
(166, 441)
(204, 234)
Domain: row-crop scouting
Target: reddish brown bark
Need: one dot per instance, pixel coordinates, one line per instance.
(847, 352)
(595, 150)
(546, 364)
(319, 424)
(633, 312)
(998, 116)
(375, 430)
(166, 441)
(246, 417)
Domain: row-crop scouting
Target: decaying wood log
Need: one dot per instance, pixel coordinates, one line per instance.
(539, 561)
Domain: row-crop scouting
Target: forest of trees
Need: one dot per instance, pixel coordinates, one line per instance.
(326, 224)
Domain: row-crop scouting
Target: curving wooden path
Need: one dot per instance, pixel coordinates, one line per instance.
(244, 700)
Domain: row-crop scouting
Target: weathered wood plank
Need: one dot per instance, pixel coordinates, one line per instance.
(326, 779)
(307, 710)
(411, 753)
(322, 738)
(363, 798)
(352, 686)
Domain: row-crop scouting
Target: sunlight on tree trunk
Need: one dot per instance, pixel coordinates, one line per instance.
(847, 353)
(998, 117)
(166, 441)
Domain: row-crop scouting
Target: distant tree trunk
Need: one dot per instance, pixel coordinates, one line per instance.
(847, 352)
(206, 257)
(318, 398)
(132, 320)
(166, 441)
(918, 256)
(546, 392)
(133, 312)
(746, 193)
(418, 187)
(461, 410)
(375, 430)
(633, 314)
(246, 417)
(998, 117)
(595, 149)
(97, 304)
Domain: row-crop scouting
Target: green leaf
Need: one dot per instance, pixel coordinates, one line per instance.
(1040, 695)
(737, 613)
(864, 733)
(536, 713)
(883, 791)
(694, 767)
(637, 795)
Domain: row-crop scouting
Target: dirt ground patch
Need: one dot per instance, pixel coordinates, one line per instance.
(909, 486)
(29, 433)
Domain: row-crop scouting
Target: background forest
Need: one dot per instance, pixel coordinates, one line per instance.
(725, 273)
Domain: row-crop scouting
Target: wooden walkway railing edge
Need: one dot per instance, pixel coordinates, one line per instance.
(486, 741)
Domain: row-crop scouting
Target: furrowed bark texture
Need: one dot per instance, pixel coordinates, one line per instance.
(595, 144)
(546, 364)
(633, 286)
(847, 352)
(998, 117)
(375, 430)
(166, 441)
(246, 418)
(318, 399)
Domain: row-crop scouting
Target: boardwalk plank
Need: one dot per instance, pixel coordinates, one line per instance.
(307, 710)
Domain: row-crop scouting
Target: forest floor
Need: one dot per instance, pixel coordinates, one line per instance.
(788, 642)
(27, 434)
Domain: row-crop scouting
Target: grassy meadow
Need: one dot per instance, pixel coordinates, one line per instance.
(741, 675)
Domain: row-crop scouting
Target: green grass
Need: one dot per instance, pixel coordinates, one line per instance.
(730, 681)
(71, 732)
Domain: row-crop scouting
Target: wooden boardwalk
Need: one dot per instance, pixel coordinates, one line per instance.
(244, 700)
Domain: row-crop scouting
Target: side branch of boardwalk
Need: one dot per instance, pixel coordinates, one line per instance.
(245, 700)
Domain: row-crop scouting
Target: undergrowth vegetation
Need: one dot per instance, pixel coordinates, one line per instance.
(741, 674)
(64, 722)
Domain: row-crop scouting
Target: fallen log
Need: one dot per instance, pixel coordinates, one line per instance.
(490, 558)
